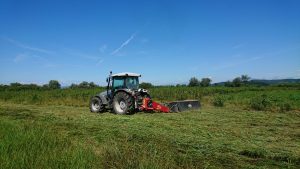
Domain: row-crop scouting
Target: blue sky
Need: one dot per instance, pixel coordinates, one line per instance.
(166, 41)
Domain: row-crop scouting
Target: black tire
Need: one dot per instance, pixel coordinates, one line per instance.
(123, 103)
(96, 105)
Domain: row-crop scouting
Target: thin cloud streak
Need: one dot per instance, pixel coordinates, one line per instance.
(20, 58)
(80, 54)
(124, 44)
(24, 46)
(72, 52)
(23, 57)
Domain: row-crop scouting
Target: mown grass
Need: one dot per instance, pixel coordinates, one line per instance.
(247, 127)
(45, 136)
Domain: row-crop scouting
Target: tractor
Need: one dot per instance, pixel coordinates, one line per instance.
(124, 96)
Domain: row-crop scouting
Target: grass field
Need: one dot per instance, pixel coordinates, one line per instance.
(253, 128)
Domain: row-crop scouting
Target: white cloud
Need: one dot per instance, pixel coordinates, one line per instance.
(24, 46)
(80, 54)
(97, 59)
(99, 62)
(20, 58)
(123, 44)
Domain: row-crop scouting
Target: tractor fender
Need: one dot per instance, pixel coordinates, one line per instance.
(103, 98)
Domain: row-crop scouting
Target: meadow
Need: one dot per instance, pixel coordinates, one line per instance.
(242, 127)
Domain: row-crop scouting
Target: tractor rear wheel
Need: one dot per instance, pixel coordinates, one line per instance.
(96, 105)
(123, 103)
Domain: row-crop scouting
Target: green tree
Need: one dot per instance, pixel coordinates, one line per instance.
(180, 85)
(83, 84)
(245, 78)
(54, 84)
(92, 85)
(237, 82)
(73, 86)
(45, 86)
(194, 82)
(15, 84)
(205, 82)
(145, 85)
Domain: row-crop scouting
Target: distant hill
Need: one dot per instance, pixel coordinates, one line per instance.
(277, 81)
(264, 82)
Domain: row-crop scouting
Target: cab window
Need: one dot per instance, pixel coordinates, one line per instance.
(132, 82)
(118, 82)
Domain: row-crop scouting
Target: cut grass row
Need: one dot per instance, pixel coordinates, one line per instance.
(70, 137)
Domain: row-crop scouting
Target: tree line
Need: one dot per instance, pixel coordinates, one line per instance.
(243, 80)
(238, 81)
(205, 82)
(52, 84)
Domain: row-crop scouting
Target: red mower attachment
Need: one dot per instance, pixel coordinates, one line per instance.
(176, 106)
(149, 105)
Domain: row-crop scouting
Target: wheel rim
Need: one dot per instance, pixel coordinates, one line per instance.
(95, 106)
(122, 105)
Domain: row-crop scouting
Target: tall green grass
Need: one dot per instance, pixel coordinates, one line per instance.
(35, 146)
(280, 98)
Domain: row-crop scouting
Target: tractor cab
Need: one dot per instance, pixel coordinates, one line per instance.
(128, 82)
(124, 81)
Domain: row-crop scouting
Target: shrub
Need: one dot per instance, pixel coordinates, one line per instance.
(260, 103)
(218, 101)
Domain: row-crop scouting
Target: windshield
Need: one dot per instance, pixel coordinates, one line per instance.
(132, 82)
(118, 82)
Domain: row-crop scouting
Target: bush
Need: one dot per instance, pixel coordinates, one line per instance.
(260, 103)
(218, 101)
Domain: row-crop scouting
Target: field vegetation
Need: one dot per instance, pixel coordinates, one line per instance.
(237, 127)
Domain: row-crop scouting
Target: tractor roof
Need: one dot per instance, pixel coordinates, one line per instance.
(126, 74)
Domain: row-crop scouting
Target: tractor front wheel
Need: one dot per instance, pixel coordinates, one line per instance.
(123, 103)
(96, 105)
